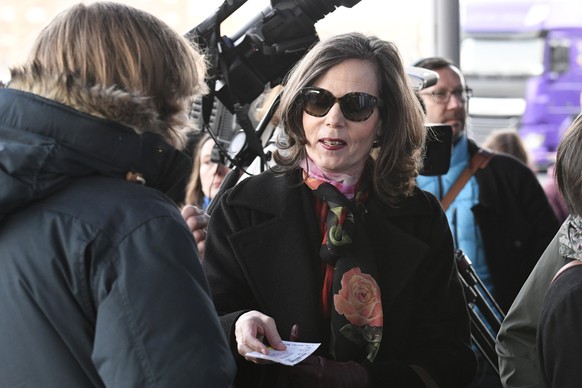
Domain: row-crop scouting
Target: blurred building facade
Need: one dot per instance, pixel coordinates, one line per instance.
(409, 24)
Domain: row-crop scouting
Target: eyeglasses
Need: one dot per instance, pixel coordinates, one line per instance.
(444, 97)
(355, 106)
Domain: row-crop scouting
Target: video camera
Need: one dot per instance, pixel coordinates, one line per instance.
(261, 52)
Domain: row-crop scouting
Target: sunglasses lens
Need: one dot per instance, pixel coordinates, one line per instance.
(317, 102)
(357, 106)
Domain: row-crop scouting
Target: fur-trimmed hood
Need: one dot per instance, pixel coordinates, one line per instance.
(52, 133)
(131, 110)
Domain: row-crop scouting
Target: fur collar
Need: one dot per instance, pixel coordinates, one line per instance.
(110, 103)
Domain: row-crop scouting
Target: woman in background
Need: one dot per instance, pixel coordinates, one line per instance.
(508, 142)
(207, 175)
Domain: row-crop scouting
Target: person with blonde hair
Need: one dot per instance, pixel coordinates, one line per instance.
(100, 284)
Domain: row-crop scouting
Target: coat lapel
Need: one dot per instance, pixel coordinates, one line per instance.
(398, 255)
(285, 265)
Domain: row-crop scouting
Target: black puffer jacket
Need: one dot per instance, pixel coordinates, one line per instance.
(100, 284)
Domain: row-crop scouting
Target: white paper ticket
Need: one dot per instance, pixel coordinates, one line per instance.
(295, 352)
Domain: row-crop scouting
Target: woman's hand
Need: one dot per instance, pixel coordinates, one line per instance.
(197, 221)
(251, 329)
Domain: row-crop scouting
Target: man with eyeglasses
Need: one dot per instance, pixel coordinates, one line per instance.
(500, 218)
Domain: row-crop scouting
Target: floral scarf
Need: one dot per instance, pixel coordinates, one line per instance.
(570, 238)
(351, 296)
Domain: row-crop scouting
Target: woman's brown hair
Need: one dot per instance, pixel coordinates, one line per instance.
(397, 160)
(194, 193)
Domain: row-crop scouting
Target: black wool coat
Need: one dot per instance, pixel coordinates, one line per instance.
(262, 254)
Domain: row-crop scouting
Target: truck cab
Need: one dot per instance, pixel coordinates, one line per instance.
(523, 60)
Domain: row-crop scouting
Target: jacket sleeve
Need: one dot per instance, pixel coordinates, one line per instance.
(228, 284)
(156, 325)
(516, 341)
(443, 330)
(438, 329)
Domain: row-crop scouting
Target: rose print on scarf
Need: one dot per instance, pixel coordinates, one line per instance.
(359, 301)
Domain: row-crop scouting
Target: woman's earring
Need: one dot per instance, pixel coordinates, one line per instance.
(376, 142)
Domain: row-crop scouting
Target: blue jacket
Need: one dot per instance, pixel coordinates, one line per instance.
(466, 233)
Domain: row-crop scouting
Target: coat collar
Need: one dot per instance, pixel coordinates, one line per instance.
(110, 103)
(282, 186)
(56, 144)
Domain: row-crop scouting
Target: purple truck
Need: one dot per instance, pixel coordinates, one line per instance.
(523, 60)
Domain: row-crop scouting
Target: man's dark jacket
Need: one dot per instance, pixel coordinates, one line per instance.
(516, 222)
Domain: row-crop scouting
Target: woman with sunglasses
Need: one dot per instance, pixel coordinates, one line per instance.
(336, 245)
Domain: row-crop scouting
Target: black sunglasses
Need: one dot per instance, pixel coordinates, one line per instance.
(355, 106)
